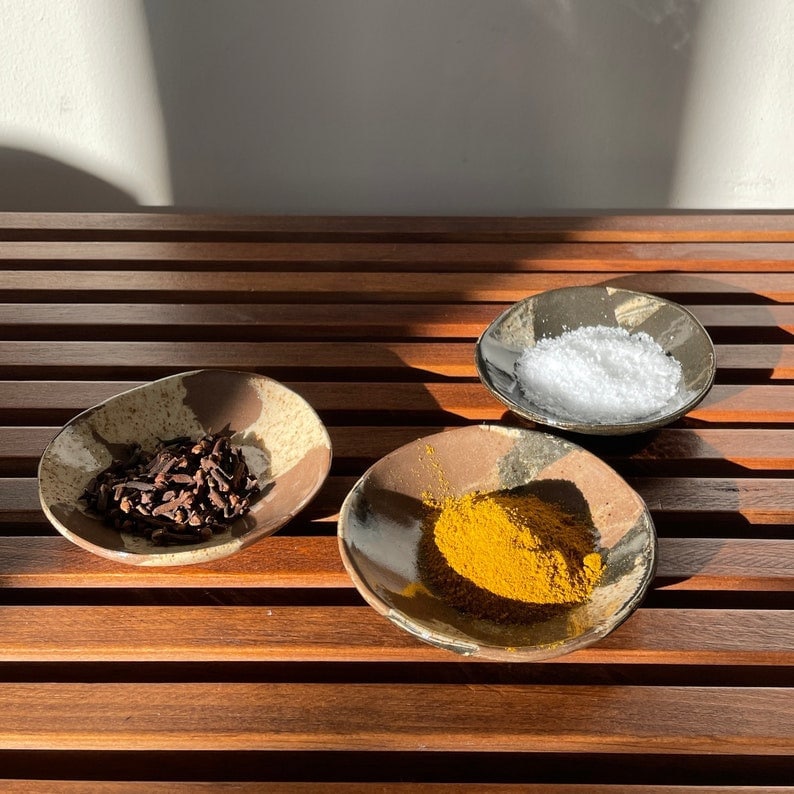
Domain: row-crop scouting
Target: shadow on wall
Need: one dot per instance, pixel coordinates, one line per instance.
(34, 183)
(422, 108)
(387, 107)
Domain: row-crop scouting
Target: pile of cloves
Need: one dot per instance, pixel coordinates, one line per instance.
(184, 491)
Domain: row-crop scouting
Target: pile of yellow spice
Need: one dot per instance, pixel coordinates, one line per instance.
(508, 555)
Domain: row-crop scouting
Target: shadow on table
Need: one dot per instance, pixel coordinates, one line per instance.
(656, 459)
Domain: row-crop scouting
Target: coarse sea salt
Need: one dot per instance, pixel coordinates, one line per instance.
(599, 374)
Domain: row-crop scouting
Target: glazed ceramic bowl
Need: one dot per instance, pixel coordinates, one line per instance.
(383, 534)
(549, 314)
(285, 445)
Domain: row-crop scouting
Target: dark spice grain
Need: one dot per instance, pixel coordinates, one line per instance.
(184, 492)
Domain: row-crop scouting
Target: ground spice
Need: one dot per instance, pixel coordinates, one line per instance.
(508, 555)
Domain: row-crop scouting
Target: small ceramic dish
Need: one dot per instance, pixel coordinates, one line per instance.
(285, 445)
(551, 313)
(383, 529)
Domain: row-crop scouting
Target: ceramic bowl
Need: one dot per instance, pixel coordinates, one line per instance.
(382, 533)
(549, 314)
(283, 440)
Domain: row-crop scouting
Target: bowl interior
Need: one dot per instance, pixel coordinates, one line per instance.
(551, 313)
(283, 440)
(381, 531)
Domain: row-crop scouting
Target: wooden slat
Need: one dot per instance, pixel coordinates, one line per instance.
(689, 564)
(347, 787)
(767, 501)
(359, 634)
(424, 287)
(731, 316)
(59, 395)
(169, 320)
(447, 358)
(282, 561)
(669, 450)
(640, 227)
(438, 717)
(725, 564)
(273, 321)
(775, 362)
(568, 256)
(758, 502)
(751, 404)
(29, 400)
(19, 501)
(745, 404)
(673, 450)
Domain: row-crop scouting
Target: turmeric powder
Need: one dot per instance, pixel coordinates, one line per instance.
(509, 555)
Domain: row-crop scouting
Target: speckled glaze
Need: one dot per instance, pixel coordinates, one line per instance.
(380, 527)
(284, 442)
(550, 313)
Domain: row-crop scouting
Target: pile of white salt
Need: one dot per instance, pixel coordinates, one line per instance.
(598, 374)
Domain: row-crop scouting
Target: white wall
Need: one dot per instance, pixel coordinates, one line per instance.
(396, 106)
(80, 116)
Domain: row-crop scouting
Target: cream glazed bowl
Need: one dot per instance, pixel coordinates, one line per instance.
(285, 445)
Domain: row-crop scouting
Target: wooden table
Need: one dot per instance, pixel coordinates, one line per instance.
(268, 666)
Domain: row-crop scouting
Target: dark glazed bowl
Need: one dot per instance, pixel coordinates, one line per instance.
(380, 535)
(283, 440)
(549, 314)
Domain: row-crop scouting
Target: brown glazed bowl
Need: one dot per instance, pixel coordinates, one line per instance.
(549, 314)
(380, 532)
(283, 440)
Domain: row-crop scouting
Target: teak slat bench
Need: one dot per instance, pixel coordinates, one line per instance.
(266, 671)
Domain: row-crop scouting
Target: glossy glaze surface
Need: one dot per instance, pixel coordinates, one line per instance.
(380, 530)
(550, 313)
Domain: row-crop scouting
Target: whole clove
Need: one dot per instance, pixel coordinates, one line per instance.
(185, 491)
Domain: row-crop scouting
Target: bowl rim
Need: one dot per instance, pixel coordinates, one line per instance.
(195, 553)
(526, 653)
(590, 428)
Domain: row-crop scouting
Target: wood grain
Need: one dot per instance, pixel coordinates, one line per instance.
(767, 501)
(757, 502)
(470, 256)
(758, 448)
(284, 561)
(668, 227)
(752, 404)
(401, 360)
(348, 787)
(451, 718)
(670, 450)
(319, 321)
(358, 634)
(350, 286)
